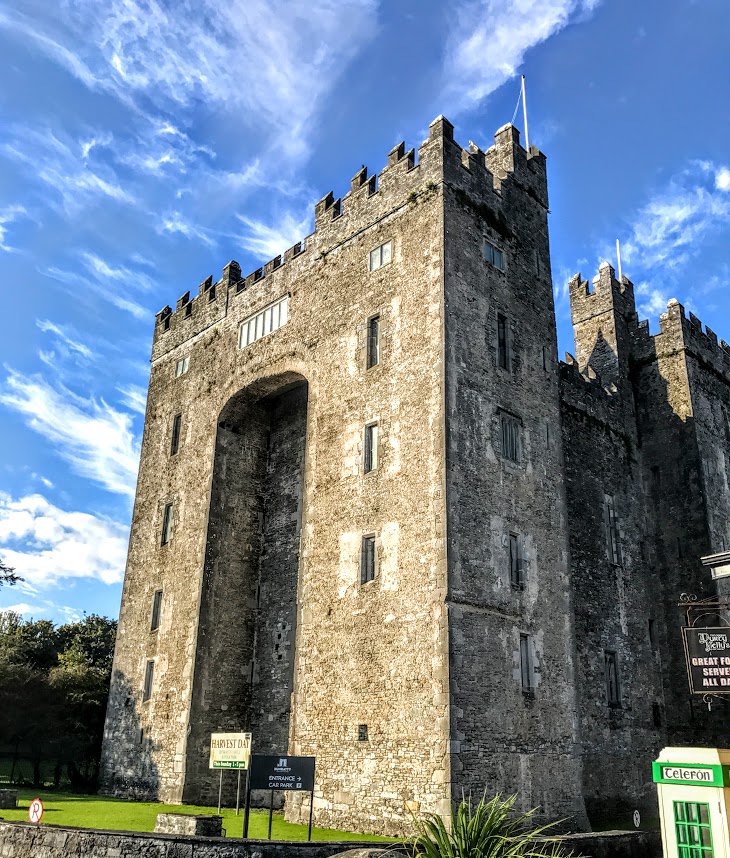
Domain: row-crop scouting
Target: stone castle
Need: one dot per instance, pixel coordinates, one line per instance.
(378, 522)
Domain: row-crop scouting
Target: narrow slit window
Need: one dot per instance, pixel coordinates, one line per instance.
(156, 609)
(516, 566)
(502, 342)
(613, 534)
(149, 675)
(367, 559)
(613, 692)
(526, 664)
(381, 255)
(373, 346)
(510, 432)
(167, 524)
(175, 437)
(370, 447)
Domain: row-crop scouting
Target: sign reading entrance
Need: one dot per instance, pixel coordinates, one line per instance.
(707, 651)
(230, 750)
(279, 772)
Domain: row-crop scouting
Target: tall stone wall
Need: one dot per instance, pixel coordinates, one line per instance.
(358, 656)
(506, 737)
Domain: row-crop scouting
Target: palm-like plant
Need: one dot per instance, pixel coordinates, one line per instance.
(488, 830)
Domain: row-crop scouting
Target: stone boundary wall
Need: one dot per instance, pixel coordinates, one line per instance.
(24, 840)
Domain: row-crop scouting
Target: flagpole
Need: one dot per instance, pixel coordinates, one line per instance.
(618, 256)
(524, 113)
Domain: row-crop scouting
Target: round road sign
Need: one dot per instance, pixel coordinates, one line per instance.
(637, 818)
(35, 811)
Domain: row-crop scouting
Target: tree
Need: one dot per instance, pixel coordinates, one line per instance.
(54, 684)
(7, 575)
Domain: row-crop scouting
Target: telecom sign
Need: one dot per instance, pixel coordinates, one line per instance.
(230, 750)
(707, 651)
(279, 772)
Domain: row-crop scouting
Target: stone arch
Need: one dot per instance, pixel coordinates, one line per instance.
(247, 622)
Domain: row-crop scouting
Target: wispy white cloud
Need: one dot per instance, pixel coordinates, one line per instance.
(670, 229)
(75, 283)
(65, 341)
(134, 398)
(97, 440)
(488, 40)
(63, 167)
(7, 216)
(175, 223)
(45, 544)
(272, 62)
(266, 241)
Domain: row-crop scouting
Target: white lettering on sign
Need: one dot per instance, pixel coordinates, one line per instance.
(676, 774)
(714, 641)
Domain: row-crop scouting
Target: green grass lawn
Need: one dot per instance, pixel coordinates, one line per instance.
(85, 811)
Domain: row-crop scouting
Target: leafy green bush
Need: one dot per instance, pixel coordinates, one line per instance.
(488, 830)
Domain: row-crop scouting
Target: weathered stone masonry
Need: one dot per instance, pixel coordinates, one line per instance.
(478, 654)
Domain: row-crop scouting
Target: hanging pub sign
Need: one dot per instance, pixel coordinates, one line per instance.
(707, 651)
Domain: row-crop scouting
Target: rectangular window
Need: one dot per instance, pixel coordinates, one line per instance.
(167, 524)
(367, 559)
(693, 830)
(613, 692)
(264, 322)
(373, 346)
(370, 448)
(610, 523)
(502, 342)
(510, 431)
(156, 608)
(149, 675)
(516, 565)
(181, 367)
(526, 664)
(175, 438)
(381, 255)
(493, 255)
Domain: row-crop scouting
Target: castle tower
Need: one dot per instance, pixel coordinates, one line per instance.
(349, 534)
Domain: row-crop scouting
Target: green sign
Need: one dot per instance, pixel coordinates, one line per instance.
(691, 774)
(229, 764)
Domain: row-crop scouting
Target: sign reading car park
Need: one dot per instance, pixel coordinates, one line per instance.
(279, 772)
(707, 651)
(230, 750)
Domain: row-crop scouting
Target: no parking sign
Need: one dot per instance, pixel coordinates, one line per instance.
(35, 811)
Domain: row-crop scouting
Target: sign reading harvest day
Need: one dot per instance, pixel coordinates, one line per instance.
(230, 750)
(707, 651)
(269, 772)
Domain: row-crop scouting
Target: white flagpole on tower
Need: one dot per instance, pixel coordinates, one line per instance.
(618, 257)
(524, 113)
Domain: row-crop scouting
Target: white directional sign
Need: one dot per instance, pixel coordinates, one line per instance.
(35, 811)
(230, 750)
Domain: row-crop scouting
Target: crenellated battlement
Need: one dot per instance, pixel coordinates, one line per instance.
(687, 331)
(604, 294)
(406, 177)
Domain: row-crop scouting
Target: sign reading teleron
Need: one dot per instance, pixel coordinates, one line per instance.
(674, 773)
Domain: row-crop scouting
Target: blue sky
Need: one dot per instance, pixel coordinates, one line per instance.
(145, 143)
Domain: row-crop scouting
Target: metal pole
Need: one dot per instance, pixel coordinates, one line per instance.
(220, 790)
(238, 792)
(618, 256)
(524, 113)
(271, 811)
(311, 803)
(248, 803)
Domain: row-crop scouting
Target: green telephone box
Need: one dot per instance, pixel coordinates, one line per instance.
(694, 801)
